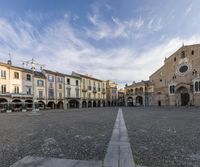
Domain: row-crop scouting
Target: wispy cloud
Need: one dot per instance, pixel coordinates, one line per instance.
(155, 24)
(64, 48)
(111, 30)
(188, 10)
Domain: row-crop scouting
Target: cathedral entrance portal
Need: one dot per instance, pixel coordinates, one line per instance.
(183, 97)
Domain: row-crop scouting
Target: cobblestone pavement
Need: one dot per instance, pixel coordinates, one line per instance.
(75, 134)
(164, 136)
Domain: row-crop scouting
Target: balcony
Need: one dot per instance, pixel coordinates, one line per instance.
(89, 88)
(84, 89)
(51, 98)
(94, 90)
(136, 93)
(21, 95)
(40, 97)
(4, 93)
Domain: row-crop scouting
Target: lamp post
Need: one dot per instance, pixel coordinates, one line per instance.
(33, 64)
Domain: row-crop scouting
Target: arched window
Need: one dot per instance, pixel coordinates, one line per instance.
(171, 89)
(197, 86)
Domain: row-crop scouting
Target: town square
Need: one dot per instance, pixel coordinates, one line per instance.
(99, 83)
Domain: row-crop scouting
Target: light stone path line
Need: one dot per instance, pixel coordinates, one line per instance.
(119, 153)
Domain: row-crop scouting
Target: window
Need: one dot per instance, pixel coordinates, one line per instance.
(171, 89)
(60, 79)
(194, 72)
(83, 94)
(3, 74)
(16, 75)
(99, 89)
(183, 68)
(197, 86)
(68, 81)
(28, 91)
(160, 80)
(68, 92)
(51, 93)
(89, 95)
(51, 85)
(28, 77)
(89, 88)
(3, 89)
(40, 83)
(174, 77)
(77, 93)
(40, 93)
(174, 58)
(76, 82)
(60, 86)
(50, 78)
(16, 89)
(99, 95)
(89, 82)
(60, 95)
(192, 53)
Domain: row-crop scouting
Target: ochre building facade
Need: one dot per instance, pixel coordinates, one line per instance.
(177, 82)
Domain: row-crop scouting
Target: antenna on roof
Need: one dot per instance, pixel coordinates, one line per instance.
(9, 61)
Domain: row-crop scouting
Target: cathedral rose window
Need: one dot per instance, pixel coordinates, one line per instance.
(183, 68)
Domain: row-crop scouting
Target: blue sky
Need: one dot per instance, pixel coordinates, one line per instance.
(124, 41)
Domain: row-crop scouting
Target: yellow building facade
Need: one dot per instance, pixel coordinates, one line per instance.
(93, 91)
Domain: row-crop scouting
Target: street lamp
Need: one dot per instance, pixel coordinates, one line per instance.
(33, 64)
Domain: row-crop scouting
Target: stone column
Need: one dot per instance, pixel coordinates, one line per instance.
(65, 104)
(80, 104)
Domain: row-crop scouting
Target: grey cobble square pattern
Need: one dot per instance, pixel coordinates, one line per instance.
(81, 134)
(164, 136)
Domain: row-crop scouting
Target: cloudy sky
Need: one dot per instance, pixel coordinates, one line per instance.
(121, 40)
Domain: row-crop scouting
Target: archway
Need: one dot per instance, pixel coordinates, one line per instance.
(60, 105)
(28, 103)
(139, 100)
(73, 104)
(94, 104)
(183, 96)
(3, 104)
(141, 90)
(51, 104)
(84, 104)
(104, 103)
(89, 104)
(129, 101)
(99, 103)
(41, 105)
(17, 104)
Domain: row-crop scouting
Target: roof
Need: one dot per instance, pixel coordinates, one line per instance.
(39, 74)
(140, 84)
(16, 67)
(85, 76)
(60, 74)
(184, 46)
